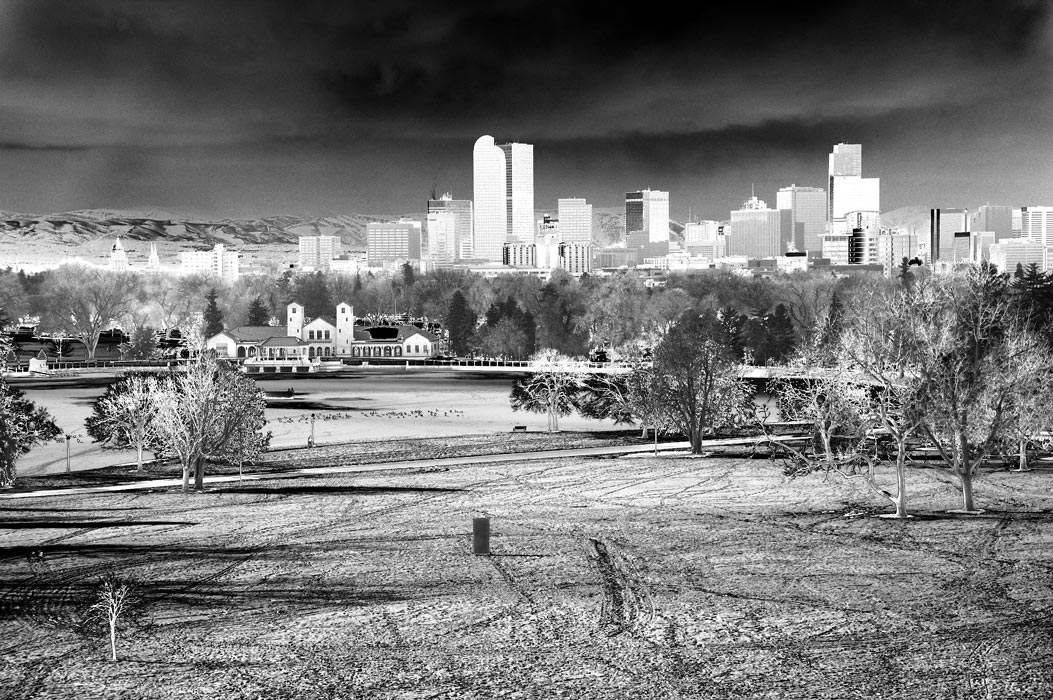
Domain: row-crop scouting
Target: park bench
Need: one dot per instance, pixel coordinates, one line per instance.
(518, 428)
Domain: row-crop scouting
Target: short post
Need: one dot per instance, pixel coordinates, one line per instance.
(481, 535)
(67, 453)
(656, 441)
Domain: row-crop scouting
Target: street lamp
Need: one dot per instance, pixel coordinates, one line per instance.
(67, 453)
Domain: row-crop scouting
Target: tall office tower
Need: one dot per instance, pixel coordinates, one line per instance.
(633, 212)
(849, 190)
(807, 217)
(648, 211)
(442, 237)
(892, 248)
(462, 211)
(118, 257)
(846, 160)
(998, 220)
(575, 220)
(1036, 225)
(490, 199)
(318, 251)
(392, 242)
(943, 224)
(519, 191)
(756, 230)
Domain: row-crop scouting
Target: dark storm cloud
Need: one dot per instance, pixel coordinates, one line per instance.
(246, 85)
(13, 146)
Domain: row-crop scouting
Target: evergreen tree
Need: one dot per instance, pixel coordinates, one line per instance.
(312, 292)
(460, 323)
(781, 336)
(213, 316)
(259, 314)
(22, 425)
(408, 276)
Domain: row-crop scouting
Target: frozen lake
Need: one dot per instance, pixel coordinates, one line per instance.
(368, 403)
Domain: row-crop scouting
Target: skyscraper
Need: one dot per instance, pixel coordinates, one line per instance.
(490, 199)
(575, 220)
(807, 217)
(756, 230)
(648, 211)
(943, 224)
(996, 219)
(849, 190)
(519, 191)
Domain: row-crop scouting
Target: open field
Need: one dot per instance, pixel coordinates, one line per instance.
(632, 577)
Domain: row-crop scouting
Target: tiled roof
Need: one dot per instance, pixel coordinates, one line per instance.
(254, 334)
(284, 341)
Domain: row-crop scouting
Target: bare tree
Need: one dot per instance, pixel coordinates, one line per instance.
(209, 412)
(696, 379)
(111, 601)
(124, 415)
(86, 301)
(971, 355)
(550, 388)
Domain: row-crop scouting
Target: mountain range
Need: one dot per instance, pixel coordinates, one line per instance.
(35, 240)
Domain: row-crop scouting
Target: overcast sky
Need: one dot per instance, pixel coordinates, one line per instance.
(257, 108)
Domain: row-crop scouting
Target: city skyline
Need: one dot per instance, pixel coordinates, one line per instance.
(224, 109)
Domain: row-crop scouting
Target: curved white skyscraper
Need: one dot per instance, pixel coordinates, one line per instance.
(491, 203)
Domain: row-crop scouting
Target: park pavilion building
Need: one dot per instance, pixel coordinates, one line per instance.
(304, 342)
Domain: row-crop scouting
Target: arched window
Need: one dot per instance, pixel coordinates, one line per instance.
(310, 351)
(241, 351)
(398, 351)
(387, 351)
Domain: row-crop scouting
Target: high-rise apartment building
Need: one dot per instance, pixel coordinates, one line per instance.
(519, 191)
(490, 180)
(457, 243)
(218, 262)
(575, 220)
(647, 211)
(318, 251)
(1036, 225)
(392, 242)
(756, 230)
(807, 217)
(848, 189)
(892, 248)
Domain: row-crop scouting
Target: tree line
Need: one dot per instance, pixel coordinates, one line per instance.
(957, 366)
(509, 316)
